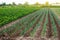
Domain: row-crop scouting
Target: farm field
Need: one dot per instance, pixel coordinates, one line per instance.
(42, 24)
(11, 13)
(57, 11)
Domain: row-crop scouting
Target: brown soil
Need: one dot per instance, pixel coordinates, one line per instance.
(34, 38)
(49, 28)
(59, 17)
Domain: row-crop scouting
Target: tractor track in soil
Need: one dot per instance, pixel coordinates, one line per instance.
(39, 30)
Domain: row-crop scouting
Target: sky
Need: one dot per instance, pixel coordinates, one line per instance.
(29, 1)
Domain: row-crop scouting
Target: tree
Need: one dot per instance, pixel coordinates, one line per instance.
(13, 3)
(37, 3)
(47, 3)
(0, 4)
(4, 4)
(9, 4)
(26, 3)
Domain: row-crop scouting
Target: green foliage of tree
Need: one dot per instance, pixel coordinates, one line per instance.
(47, 3)
(37, 3)
(26, 3)
(3, 4)
(13, 3)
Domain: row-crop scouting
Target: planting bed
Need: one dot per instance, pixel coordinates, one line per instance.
(40, 25)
